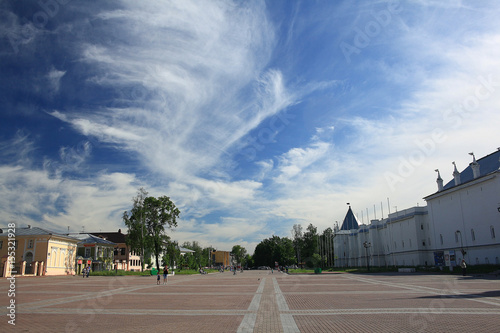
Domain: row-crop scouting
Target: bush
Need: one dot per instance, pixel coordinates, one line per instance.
(118, 273)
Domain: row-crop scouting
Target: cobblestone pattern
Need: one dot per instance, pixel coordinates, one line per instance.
(268, 316)
(255, 301)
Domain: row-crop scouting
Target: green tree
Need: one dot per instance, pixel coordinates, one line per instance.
(205, 255)
(146, 224)
(249, 262)
(274, 249)
(172, 254)
(197, 259)
(263, 254)
(239, 254)
(298, 242)
(134, 220)
(310, 247)
(326, 248)
(159, 213)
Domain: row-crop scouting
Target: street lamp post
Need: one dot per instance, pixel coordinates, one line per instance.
(210, 256)
(367, 245)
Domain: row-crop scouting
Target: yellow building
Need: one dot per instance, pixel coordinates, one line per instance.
(36, 251)
(221, 258)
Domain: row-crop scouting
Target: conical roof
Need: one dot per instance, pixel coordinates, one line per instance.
(350, 221)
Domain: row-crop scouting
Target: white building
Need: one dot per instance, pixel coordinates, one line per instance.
(463, 216)
(465, 213)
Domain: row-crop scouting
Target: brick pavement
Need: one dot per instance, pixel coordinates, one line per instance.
(255, 301)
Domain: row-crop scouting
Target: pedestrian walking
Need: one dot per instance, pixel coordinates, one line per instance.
(88, 271)
(464, 267)
(165, 275)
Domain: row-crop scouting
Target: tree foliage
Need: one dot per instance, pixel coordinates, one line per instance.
(298, 242)
(172, 254)
(159, 213)
(310, 245)
(239, 254)
(312, 249)
(146, 224)
(274, 249)
(199, 258)
(134, 220)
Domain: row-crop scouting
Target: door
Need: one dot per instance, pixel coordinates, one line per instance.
(29, 263)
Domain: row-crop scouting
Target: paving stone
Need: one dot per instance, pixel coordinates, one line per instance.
(254, 301)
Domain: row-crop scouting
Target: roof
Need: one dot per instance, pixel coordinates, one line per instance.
(184, 250)
(91, 239)
(115, 237)
(487, 165)
(36, 231)
(350, 221)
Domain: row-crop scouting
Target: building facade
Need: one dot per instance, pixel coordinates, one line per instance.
(461, 220)
(38, 252)
(221, 258)
(124, 258)
(464, 214)
(95, 252)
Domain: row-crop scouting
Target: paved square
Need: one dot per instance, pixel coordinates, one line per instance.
(254, 301)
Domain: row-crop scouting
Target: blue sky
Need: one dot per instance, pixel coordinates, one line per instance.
(252, 116)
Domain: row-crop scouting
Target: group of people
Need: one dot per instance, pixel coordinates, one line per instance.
(165, 276)
(86, 271)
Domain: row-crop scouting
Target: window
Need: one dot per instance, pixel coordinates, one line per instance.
(423, 243)
(492, 231)
(403, 243)
(30, 244)
(87, 252)
(486, 260)
(472, 234)
(421, 227)
(441, 238)
(122, 251)
(53, 259)
(456, 237)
